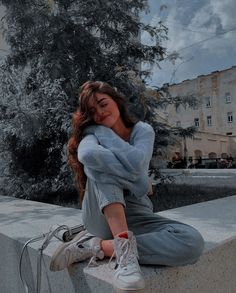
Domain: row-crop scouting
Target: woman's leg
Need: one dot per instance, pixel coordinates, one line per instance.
(161, 241)
(115, 216)
(101, 199)
(103, 213)
(104, 216)
(116, 219)
(176, 244)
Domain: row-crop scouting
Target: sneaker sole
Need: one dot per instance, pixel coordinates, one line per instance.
(141, 289)
(118, 290)
(62, 247)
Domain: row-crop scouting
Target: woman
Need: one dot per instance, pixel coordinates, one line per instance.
(110, 156)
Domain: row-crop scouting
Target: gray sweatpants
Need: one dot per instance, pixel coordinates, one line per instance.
(160, 241)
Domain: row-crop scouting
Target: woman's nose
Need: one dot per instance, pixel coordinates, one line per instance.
(100, 111)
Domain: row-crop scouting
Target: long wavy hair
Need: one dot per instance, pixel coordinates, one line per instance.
(81, 118)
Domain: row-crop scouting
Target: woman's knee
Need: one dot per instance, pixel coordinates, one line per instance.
(188, 243)
(193, 247)
(198, 244)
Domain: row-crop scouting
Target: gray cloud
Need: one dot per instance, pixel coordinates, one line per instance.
(191, 22)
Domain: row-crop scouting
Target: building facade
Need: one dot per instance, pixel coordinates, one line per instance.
(214, 116)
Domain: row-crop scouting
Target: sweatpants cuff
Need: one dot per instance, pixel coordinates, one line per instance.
(114, 200)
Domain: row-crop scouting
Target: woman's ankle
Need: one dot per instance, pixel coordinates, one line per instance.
(107, 247)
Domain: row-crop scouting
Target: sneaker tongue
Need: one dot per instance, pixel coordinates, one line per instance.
(123, 235)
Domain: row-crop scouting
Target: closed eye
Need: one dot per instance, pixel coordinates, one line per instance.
(92, 111)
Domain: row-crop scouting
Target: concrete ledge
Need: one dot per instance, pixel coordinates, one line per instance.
(203, 177)
(21, 220)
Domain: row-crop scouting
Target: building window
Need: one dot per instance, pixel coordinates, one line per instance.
(230, 117)
(209, 122)
(227, 98)
(208, 102)
(178, 123)
(196, 122)
(196, 105)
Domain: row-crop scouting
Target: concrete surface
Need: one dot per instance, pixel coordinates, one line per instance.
(21, 220)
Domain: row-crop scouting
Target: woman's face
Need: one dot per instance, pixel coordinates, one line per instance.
(104, 110)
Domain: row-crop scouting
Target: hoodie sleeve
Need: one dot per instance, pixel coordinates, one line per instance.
(100, 159)
(134, 156)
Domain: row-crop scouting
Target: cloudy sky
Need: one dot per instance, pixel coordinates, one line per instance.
(203, 32)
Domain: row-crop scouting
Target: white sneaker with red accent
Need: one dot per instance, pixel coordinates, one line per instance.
(128, 275)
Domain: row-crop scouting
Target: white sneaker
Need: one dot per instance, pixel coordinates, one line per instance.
(128, 275)
(80, 248)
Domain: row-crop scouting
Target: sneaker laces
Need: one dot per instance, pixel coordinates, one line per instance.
(128, 253)
(92, 262)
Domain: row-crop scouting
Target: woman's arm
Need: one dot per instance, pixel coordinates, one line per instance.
(99, 159)
(136, 155)
(139, 188)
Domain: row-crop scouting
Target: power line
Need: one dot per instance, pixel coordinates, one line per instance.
(204, 40)
(182, 24)
(207, 39)
(199, 32)
(174, 71)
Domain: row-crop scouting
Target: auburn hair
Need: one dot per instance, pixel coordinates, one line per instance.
(81, 118)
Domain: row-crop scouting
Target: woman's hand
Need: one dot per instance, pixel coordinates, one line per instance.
(150, 190)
